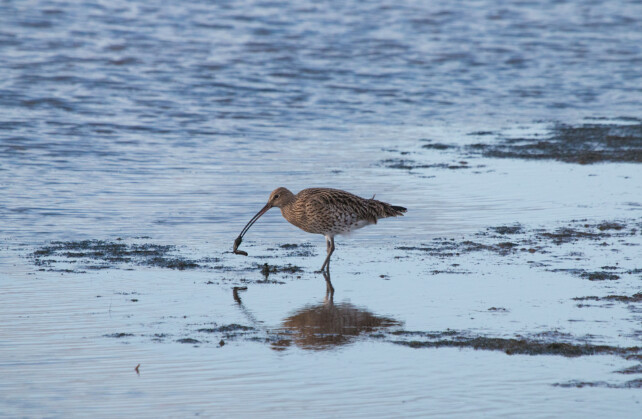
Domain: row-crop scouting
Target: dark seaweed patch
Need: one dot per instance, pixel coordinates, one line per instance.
(159, 337)
(514, 229)
(227, 328)
(188, 340)
(291, 269)
(88, 252)
(610, 226)
(583, 144)
(408, 164)
(635, 298)
(173, 263)
(265, 281)
(118, 335)
(230, 331)
(301, 253)
(447, 248)
(404, 164)
(43, 252)
(480, 133)
(599, 276)
(591, 276)
(513, 346)
(438, 146)
(566, 235)
(96, 267)
(298, 250)
(266, 269)
(635, 369)
(493, 239)
(580, 384)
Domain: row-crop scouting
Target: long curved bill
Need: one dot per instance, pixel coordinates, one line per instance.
(239, 239)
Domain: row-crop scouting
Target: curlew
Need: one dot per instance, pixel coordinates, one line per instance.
(324, 211)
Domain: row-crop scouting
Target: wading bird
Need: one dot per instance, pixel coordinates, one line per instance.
(324, 211)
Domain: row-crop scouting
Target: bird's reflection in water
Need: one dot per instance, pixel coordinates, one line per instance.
(327, 325)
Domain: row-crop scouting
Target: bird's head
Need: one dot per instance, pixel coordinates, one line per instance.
(280, 197)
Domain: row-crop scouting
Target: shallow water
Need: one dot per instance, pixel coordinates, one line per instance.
(170, 125)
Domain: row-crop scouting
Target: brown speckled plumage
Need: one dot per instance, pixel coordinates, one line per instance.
(326, 211)
(332, 211)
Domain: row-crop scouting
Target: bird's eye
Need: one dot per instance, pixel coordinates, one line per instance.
(276, 196)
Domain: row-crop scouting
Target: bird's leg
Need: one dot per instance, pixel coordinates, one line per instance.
(330, 245)
(327, 258)
(329, 289)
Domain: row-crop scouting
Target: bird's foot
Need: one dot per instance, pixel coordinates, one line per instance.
(324, 270)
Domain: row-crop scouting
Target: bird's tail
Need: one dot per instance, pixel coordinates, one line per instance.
(399, 210)
(383, 210)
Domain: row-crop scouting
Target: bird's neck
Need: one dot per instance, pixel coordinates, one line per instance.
(290, 213)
